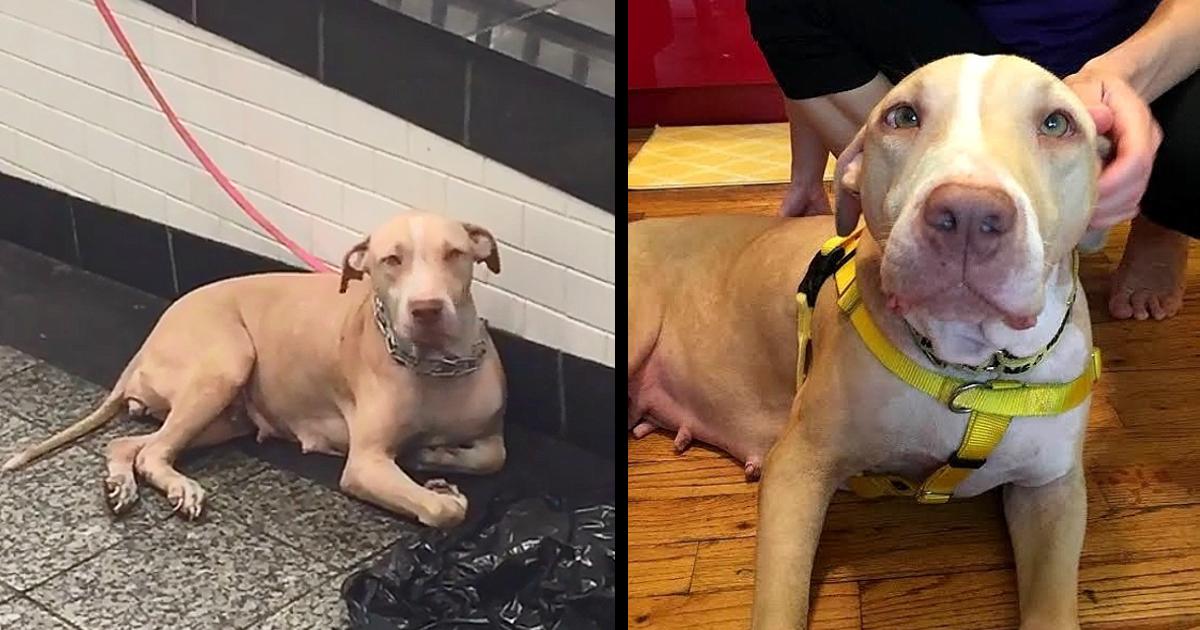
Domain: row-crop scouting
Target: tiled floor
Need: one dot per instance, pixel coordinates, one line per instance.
(270, 553)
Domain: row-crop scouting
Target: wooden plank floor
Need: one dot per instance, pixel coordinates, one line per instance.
(894, 565)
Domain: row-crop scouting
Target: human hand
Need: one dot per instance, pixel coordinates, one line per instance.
(1119, 112)
(804, 200)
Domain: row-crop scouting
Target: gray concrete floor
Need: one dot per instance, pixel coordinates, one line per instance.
(270, 552)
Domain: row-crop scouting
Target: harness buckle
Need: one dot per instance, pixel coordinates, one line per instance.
(959, 391)
(933, 498)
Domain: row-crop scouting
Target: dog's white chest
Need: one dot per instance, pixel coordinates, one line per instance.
(1035, 451)
(918, 435)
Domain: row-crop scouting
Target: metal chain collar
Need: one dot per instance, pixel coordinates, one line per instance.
(404, 352)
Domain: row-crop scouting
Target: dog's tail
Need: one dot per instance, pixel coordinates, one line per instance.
(112, 405)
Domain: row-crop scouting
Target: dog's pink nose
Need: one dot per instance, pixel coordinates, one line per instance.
(425, 311)
(969, 217)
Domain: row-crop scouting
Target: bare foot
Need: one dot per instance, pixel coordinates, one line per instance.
(805, 200)
(1149, 280)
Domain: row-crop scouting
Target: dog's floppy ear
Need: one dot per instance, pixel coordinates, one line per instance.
(1104, 148)
(847, 200)
(352, 264)
(1094, 239)
(484, 246)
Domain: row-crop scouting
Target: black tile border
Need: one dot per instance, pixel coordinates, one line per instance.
(424, 77)
(284, 30)
(123, 247)
(589, 395)
(443, 97)
(559, 146)
(40, 220)
(200, 261)
(183, 9)
(550, 391)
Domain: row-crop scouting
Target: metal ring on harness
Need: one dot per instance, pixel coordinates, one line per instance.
(960, 390)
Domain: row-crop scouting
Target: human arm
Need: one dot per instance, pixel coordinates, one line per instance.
(1116, 87)
(1163, 52)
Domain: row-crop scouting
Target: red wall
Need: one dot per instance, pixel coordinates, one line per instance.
(694, 62)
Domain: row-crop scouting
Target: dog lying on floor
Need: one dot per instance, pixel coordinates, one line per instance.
(950, 343)
(398, 366)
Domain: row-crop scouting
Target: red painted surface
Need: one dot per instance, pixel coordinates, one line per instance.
(691, 61)
(721, 105)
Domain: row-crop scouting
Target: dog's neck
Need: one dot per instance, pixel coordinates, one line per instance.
(973, 343)
(461, 354)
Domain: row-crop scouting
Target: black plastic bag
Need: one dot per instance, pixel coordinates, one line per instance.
(525, 564)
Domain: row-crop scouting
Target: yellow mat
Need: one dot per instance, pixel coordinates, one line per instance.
(718, 155)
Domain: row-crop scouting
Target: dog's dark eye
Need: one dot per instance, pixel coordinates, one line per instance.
(452, 254)
(1056, 125)
(902, 117)
(391, 260)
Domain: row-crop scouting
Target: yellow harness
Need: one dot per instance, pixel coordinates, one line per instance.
(992, 404)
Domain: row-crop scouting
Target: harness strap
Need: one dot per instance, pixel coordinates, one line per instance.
(999, 396)
(803, 336)
(991, 405)
(830, 260)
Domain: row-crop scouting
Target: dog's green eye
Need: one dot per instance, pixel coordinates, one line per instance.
(903, 117)
(1056, 125)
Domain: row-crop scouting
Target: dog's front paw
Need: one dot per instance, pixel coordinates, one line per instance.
(446, 507)
(121, 491)
(186, 498)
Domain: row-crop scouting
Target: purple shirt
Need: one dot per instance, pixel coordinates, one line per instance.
(1062, 35)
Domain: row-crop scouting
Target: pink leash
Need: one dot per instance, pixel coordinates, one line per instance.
(186, 136)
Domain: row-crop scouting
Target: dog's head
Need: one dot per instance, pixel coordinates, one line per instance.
(420, 266)
(976, 175)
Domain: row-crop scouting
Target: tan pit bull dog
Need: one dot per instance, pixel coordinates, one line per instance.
(951, 351)
(398, 366)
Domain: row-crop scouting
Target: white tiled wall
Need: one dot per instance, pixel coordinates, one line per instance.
(322, 165)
